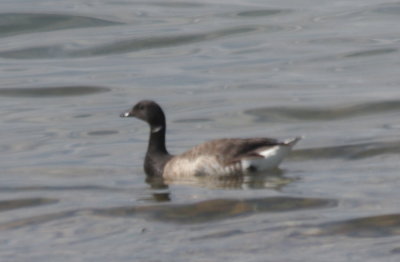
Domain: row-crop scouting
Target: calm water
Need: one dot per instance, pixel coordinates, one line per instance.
(71, 183)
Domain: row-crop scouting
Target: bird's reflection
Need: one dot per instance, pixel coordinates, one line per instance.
(161, 193)
(274, 179)
(216, 209)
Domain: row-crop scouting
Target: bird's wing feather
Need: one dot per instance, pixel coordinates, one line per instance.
(231, 150)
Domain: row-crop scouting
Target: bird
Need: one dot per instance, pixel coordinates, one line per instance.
(225, 157)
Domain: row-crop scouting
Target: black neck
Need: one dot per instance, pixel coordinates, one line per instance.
(157, 141)
(157, 155)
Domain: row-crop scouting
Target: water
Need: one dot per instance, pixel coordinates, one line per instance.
(72, 186)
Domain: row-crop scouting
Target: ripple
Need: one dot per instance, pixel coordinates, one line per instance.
(200, 212)
(52, 91)
(193, 120)
(19, 23)
(218, 209)
(25, 202)
(373, 52)
(262, 13)
(102, 132)
(36, 220)
(391, 9)
(132, 45)
(223, 234)
(83, 116)
(59, 188)
(373, 226)
(350, 152)
(175, 4)
(123, 46)
(395, 250)
(323, 114)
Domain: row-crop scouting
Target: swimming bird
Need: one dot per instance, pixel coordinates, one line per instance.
(220, 157)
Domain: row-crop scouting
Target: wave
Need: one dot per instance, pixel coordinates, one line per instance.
(349, 152)
(22, 23)
(124, 46)
(324, 114)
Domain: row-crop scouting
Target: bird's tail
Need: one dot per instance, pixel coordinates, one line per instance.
(292, 141)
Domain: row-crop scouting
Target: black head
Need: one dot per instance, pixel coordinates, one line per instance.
(148, 111)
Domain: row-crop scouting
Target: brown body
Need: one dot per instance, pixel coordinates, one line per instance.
(221, 157)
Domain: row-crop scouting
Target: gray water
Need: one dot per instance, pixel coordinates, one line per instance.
(72, 186)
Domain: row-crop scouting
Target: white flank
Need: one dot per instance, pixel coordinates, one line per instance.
(272, 157)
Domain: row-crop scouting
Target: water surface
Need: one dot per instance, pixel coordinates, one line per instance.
(72, 186)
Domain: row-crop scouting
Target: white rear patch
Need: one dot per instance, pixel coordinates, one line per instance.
(271, 158)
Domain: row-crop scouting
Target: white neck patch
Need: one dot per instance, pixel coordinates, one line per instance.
(156, 129)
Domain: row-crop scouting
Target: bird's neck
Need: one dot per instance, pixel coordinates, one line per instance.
(157, 155)
(157, 141)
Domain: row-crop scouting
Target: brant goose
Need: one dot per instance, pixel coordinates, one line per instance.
(220, 157)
